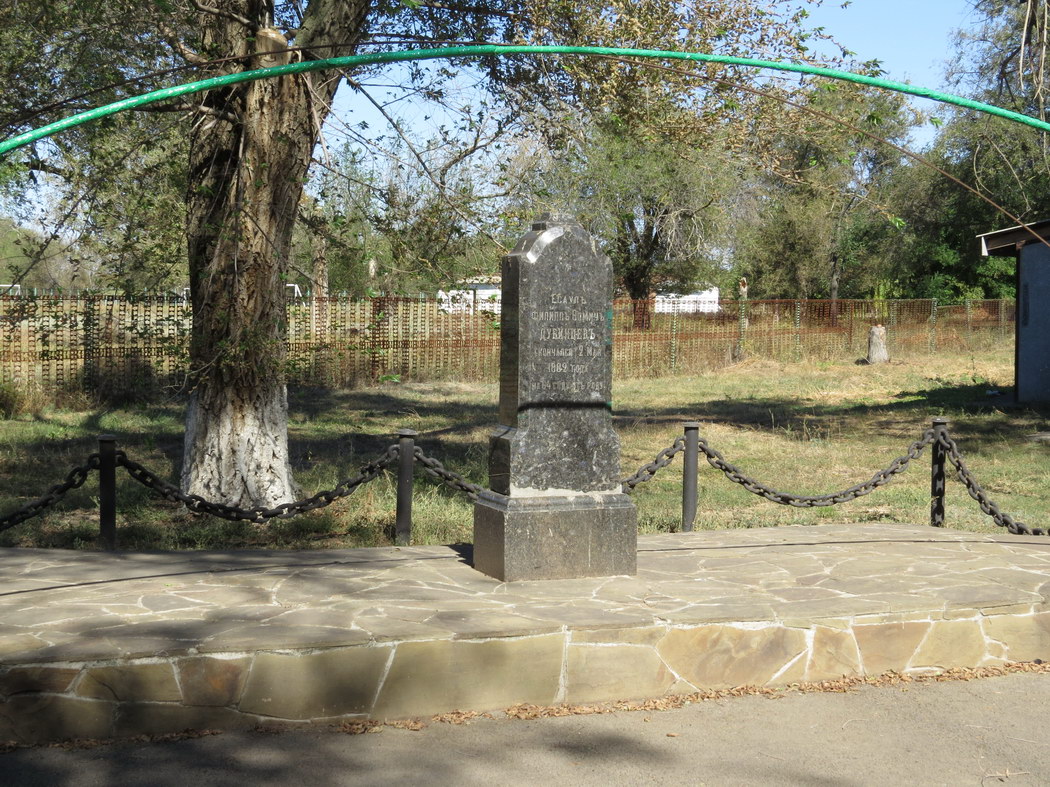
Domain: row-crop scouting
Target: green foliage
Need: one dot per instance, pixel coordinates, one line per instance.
(1002, 61)
(680, 177)
(110, 192)
(818, 215)
(393, 230)
(11, 399)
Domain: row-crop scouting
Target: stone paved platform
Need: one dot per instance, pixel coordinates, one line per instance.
(94, 645)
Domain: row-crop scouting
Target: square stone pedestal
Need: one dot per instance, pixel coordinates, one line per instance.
(555, 537)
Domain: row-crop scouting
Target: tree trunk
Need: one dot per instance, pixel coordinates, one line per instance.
(833, 287)
(320, 267)
(642, 313)
(319, 301)
(248, 162)
(834, 277)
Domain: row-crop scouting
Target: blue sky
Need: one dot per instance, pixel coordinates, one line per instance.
(912, 38)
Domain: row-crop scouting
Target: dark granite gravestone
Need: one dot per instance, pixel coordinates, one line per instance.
(555, 509)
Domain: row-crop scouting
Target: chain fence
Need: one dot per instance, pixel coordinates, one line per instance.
(945, 449)
(975, 491)
(937, 436)
(648, 471)
(258, 515)
(195, 503)
(74, 480)
(897, 466)
(123, 349)
(436, 470)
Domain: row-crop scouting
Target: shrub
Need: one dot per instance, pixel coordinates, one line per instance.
(17, 398)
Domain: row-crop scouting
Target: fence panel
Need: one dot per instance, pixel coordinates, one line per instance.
(127, 347)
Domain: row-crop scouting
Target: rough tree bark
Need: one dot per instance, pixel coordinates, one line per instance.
(250, 150)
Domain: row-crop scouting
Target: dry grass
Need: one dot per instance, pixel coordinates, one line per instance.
(818, 428)
(807, 428)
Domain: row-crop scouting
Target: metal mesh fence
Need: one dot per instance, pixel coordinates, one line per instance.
(118, 346)
(110, 345)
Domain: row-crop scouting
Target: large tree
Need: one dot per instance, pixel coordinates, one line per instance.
(654, 169)
(809, 231)
(655, 206)
(249, 157)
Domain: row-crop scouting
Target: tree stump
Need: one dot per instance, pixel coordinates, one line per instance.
(877, 345)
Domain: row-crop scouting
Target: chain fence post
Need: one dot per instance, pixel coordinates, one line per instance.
(107, 491)
(406, 466)
(940, 427)
(690, 472)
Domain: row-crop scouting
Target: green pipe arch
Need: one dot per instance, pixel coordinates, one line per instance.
(481, 50)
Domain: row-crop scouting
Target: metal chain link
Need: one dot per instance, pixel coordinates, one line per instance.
(717, 461)
(259, 514)
(75, 479)
(646, 472)
(975, 491)
(435, 469)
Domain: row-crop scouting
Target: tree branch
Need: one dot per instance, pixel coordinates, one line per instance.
(187, 54)
(199, 109)
(442, 191)
(469, 9)
(38, 165)
(207, 9)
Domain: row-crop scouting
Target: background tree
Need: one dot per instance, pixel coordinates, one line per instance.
(812, 216)
(1002, 60)
(656, 208)
(653, 167)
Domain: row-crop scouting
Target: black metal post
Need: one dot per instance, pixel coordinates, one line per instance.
(406, 466)
(107, 491)
(690, 470)
(940, 427)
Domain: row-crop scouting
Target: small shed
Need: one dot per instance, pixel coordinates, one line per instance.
(1029, 244)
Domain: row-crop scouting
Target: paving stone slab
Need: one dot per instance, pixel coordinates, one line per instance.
(93, 644)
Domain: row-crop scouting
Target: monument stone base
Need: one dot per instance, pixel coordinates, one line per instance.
(555, 536)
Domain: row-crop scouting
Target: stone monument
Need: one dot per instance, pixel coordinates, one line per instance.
(555, 509)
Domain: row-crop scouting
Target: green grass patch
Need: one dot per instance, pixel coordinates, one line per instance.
(806, 428)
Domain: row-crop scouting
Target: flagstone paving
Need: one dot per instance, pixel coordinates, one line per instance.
(94, 644)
